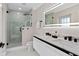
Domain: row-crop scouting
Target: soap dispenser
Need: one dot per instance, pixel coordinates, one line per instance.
(70, 38)
(75, 40)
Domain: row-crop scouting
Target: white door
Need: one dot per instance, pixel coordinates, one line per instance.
(2, 31)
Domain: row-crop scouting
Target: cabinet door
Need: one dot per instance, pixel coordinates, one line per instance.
(52, 51)
(46, 50)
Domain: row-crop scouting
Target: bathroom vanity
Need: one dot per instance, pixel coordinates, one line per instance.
(50, 47)
(46, 50)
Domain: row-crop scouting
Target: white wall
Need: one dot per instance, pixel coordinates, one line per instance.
(4, 21)
(1, 23)
(27, 35)
(73, 12)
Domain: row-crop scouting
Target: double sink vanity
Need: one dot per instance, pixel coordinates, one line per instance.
(52, 45)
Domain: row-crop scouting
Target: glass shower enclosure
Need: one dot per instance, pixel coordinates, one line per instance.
(15, 22)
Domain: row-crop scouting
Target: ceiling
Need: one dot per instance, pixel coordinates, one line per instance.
(23, 7)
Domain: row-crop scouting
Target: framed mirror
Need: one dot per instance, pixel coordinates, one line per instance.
(63, 15)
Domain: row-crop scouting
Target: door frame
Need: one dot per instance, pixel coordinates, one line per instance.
(4, 28)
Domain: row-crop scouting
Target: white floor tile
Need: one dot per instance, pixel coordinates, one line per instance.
(22, 52)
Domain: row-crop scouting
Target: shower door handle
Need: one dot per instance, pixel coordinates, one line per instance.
(2, 44)
(20, 29)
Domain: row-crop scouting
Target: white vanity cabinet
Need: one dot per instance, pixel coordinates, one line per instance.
(44, 49)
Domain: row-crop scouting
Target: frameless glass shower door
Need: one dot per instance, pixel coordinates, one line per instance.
(15, 22)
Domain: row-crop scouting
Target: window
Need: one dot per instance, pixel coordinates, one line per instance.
(65, 20)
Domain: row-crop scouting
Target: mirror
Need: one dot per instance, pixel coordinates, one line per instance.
(65, 14)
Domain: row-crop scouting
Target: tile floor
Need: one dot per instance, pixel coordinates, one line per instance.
(22, 52)
(11, 45)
